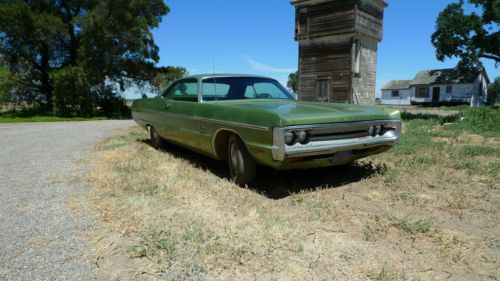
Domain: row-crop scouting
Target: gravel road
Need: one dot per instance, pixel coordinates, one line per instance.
(41, 238)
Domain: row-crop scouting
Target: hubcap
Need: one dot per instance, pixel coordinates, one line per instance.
(234, 160)
(154, 135)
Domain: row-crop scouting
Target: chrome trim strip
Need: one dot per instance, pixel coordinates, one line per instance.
(236, 124)
(338, 148)
(342, 125)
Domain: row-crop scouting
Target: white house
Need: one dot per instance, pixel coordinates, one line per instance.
(442, 86)
(397, 92)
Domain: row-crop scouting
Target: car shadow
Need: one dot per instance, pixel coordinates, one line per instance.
(281, 184)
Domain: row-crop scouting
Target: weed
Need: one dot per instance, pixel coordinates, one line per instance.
(156, 244)
(414, 226)
(386, 274)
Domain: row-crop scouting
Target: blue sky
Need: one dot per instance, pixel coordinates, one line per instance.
(256, 37)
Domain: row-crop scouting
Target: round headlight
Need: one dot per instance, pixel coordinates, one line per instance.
(371, 131)
(302, 137)
(290, 138)
(378, 129)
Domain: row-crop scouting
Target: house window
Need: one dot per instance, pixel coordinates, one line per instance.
(449, 89)
(422, 92)
(323, 90)
(395, 93)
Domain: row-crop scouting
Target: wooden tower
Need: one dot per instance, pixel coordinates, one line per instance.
(338, 49)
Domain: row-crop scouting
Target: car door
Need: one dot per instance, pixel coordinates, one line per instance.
(181, 104)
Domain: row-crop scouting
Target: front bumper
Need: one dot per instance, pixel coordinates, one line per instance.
(325, 147)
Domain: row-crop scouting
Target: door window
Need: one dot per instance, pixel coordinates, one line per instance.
(184, 91)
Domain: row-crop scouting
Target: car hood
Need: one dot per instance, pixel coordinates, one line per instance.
(300, 112)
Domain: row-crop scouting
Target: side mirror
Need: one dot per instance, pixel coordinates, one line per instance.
(144, 96)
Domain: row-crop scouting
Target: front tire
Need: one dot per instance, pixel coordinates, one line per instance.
(156, 140)
(242, 166)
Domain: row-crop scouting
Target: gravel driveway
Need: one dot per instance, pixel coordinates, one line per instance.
(40, 237)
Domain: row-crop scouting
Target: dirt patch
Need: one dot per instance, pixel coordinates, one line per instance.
(413, 213)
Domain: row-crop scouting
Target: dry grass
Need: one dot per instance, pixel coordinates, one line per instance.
(428, 209)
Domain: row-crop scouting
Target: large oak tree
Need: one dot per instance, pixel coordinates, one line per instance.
(106, 40)
(469, 36)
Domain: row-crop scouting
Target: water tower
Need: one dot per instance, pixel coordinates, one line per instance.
(338, 49)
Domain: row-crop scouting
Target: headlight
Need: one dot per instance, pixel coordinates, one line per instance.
(290, 138)
(303, 137)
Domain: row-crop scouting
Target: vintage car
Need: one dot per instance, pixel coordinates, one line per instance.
(252, 120)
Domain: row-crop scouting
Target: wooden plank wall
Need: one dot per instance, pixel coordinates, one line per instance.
(325, 19)
(338, 17)
(325, 62)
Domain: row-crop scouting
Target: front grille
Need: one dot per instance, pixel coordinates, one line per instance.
(350, 131)
(340, 135)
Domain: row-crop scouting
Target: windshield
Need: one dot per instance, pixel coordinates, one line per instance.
(241, 88)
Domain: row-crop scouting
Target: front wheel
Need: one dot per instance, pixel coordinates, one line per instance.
(241, 164)
(156, 140)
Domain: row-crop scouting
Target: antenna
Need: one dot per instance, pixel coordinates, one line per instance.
(215, 80)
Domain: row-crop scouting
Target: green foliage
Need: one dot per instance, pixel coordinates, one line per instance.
(479, 120)
(414, 226)
(166, 75)
(483, 120)
(156, 244)
(479, 150)
(7, 83)
(468, 36)
(72, 95)
(109, 40)
(494, 92)
(417, 136)
(293, 82)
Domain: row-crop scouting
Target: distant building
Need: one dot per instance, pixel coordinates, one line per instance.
(441, 86)
(338, 49)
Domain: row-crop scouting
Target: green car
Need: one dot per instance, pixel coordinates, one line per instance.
(252, 120)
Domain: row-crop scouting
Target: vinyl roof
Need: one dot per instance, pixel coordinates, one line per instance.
(200, 76)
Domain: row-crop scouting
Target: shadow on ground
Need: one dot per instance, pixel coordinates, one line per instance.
(281, 184)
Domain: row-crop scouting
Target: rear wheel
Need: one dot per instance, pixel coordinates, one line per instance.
(241, 164)
(156, 140)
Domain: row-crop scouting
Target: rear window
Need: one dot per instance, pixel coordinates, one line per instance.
(239, 88)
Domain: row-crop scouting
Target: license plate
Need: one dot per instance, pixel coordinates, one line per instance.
(342, 156)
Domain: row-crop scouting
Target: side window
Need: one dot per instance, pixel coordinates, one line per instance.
(250, 93)
(183, 91)
(265, 88)
(215, 90)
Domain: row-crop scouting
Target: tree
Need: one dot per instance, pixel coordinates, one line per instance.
(293, 81)
(166, 75)
(494, 91)
(470, 37)
(106, 39)
(7, 82)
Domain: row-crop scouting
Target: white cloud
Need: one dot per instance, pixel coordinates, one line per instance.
(255, 65)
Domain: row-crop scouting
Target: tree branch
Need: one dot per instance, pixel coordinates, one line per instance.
(491, 57)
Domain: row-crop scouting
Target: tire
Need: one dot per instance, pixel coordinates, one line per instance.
(156, 140)
(242, 166)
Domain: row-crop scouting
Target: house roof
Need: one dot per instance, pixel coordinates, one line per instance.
(397, 85)
(442, 76)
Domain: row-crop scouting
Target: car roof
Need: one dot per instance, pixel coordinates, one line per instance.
(202, 76)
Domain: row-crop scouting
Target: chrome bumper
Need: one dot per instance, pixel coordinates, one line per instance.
(324, 147)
